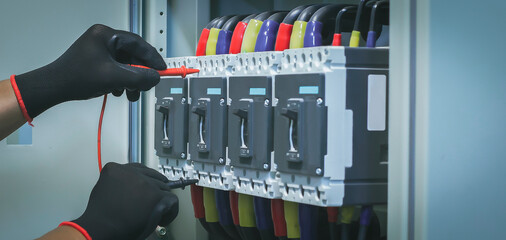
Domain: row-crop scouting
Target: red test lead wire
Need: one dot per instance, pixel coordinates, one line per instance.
(99, 136)
(182, 71)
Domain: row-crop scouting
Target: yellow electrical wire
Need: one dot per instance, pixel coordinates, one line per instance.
(246, 211)
(292, 219)
(347, 214)
(210, 205)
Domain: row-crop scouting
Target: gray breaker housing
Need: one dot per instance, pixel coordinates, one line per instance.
(300, 125)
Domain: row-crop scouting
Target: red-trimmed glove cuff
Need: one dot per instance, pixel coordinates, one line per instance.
(20, 100)
(77, 227)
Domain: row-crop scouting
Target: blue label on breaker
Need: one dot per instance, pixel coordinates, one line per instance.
(257, 91)
(308, 90)
(176, 91)
(214, 91)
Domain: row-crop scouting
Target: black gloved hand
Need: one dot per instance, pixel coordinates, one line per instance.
(128, 202)
(96, 64)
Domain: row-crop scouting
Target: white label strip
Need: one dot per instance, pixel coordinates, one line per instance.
(376, 102)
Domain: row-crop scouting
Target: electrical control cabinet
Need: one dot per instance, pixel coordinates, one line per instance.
(305, 125)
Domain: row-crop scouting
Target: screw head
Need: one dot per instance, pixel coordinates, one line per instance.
(183, 155)
(221, 161)
(266, 166)
(266, 102)
(222, 102)
(319, 101)
(318, 171)
(183, 100)
(161, 231)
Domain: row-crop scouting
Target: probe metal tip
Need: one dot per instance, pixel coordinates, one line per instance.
(181, 183)
(191, 181)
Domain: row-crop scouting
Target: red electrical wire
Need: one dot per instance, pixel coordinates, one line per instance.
(99, 137)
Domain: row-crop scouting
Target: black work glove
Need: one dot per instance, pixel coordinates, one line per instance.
(96, 64)
(128, 202)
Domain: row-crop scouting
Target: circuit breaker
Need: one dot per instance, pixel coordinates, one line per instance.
(171, 129)
(208, 120)
(305, 125)
(301, 123)
(250, 141)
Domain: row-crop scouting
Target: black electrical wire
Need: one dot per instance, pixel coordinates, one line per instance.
(277, 17)
(218, 231)
(359, 13)
(292, 16)
(230, 23)
(361, 6)
(204, 224)
(263, 16)
(212, 23)
(249, 17)
(346, 231)
(326, 12)
(333, 231)
(376, 6)
(306, 14)
(364, 5)
(350, 12)
(221, 21)
(326, 15)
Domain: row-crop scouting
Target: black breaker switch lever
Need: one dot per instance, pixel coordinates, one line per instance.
(163, 108)
(202, 109)
(243, 111)
(293, 112)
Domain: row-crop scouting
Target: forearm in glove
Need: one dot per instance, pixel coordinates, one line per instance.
(127, 203)
(96, 64)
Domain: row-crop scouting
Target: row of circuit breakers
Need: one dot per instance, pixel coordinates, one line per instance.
(306, 125)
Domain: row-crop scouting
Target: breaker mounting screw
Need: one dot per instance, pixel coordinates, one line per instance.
(161, 231)
(319, 101)
(221, 161)
(319, 171)
(222, 102)
(183, 155)
(183, 100)
(266, 166)
(266, 102)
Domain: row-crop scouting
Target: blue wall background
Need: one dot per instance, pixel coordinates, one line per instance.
(466, 168)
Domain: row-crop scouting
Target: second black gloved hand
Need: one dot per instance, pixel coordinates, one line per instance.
(96, 64)
(127, 203)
